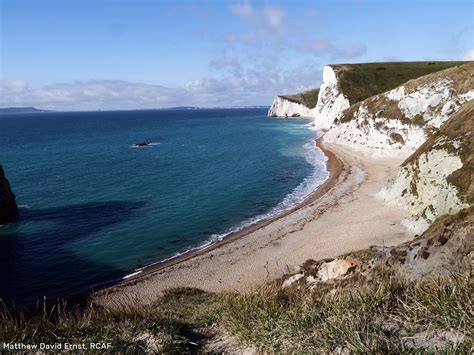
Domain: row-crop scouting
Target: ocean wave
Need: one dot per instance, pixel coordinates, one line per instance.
(314, 156)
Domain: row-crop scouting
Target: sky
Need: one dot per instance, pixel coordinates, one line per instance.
(134, 54)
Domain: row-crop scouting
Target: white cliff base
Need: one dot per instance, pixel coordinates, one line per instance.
(421, 187)
(282, 107)
(396, 123)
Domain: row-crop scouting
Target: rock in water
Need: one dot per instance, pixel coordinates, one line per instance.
(140, 145)
(8, 207)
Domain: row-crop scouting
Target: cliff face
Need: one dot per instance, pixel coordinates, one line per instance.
(331, 100)
(8, 208)
(344, 85)
(282, 107)
(399, 121)
(436, 179)
(421, 112)
(298, 105)
(444, 249)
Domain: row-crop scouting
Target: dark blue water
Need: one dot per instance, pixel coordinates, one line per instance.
(93, 208)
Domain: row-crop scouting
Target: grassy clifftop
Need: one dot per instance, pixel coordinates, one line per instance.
(309, 98)
(360, 81)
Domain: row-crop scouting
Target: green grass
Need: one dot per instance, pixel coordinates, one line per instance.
(360, 81)
(308, 98)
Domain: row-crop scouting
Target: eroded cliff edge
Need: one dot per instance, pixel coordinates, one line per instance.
(423, 113)
(298, 105)
(8, 207)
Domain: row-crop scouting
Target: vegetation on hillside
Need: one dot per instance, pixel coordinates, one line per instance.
(456, 135)
(308, 98)
(392, 315)
(386, 304)
(360, 81)
(388, 316)
(380, 106)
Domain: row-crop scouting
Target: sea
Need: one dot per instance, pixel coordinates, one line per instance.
(95, 209)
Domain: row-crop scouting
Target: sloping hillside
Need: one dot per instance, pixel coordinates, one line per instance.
(437, 178)
(360, 81)
(410, 298)
(346, 84)
(399, 121)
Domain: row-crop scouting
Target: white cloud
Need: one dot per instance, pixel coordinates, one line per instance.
(469, 55)
(268, 31)
(256, 86)
(246, 11)
(273, 16)
(13, 85)
(323, 46)
(268, 18)
(226, 62)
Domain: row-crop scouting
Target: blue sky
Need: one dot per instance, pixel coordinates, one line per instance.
(119, 54)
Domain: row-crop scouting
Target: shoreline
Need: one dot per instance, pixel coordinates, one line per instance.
(342, 215)
(334, 168)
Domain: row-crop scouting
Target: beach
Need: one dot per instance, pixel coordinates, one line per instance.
(340, 216)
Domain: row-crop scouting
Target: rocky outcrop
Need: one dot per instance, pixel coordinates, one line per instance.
(442, 250)
(331, 100)
(8, 207)
(282, 107)
(297, 105)
(437, 179)
(393, 109)
(399, 121)
(344, 85)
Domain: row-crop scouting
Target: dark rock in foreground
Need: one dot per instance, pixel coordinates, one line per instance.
(8, 207)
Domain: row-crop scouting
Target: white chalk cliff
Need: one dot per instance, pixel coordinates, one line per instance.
(427, 120)
(282, 107)
(399, 121)
(331, 100)
(436, 179)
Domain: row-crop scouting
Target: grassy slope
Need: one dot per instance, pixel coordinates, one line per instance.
(461, 75)
(360, 81)
(375, 308)
(308, 98)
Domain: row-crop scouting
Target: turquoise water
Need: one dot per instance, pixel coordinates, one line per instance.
(93, 208)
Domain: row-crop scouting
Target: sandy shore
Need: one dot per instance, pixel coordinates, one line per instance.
(342, 215)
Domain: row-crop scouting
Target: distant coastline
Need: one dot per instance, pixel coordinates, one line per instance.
(4, 110)
(20, 110)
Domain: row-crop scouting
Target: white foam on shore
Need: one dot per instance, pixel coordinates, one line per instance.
(314, 156)
(133, 274)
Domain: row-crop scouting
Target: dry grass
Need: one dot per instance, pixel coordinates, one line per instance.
(165, 326)
(377, 317)
(371, 318)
